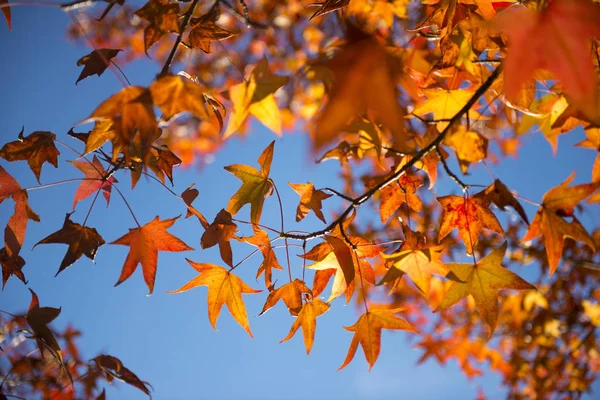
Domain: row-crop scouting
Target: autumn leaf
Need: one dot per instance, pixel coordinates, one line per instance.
(12, 264)
(96, 62)
(220, 232)
(163, 163)
(14, 233)
(82, 240)
(38, 318)
(470, 215)
(133, 122)
(593, 142)
(95, 179)
(6, 12)
(364, 80)
(367, 332)
(307, 320)
(205, 30)
(144, 244)
(114, 369)
(163, 17)
(445, 104)
(416, 259)
(291, 294)
(502, 197)
(548, 221)
(174, 95)
(261, 240)
(224, 288)
(256, 96)
(256, 185)
(482, 280)
(188, 196)
(310, 199)
(470, 146)
(37, 148)
(401, 191)
(556, 38)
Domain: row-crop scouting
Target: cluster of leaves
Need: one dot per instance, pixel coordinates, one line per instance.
(29, 369)
(398, 86)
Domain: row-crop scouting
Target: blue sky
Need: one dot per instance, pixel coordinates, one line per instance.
(167, 339)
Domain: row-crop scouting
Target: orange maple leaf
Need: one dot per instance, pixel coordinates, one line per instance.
(145, 242)
(367, 332)
(270, 262)
(364, 79)
(224, 288)
(37, 148)
(548, 221)
(470, 215)
(307, 320)
(96, 62)
(220, 232)
(482, 280)
(14, 233)
(94, 180)
(291, 294)
(310, 199)
(557, 39)
(256, 185)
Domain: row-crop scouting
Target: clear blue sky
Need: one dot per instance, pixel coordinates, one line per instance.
(167, 339)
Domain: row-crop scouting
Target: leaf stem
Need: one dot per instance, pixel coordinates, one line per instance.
(127, 204)
(47, 185)
(287, 251)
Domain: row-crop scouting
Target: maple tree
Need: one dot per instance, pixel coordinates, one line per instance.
(400, 93)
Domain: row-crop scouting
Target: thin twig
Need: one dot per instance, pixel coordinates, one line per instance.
(183, 27)
(451, 174)
(128, 206)
(287, 251)
(338, 194)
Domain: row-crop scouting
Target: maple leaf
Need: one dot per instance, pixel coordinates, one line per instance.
(145, 242)
(37, 148)
(593, 142)
(174, 95)
(114, 369)
(499, 194)
(14, 233)
(163, 16)
(132, 115)
(188, 196)
(220, 232)
(403, 190)
(445, 104)
(38, 318)
(367, 332)
(12, 264)
(256, 96)
(205, 30)
(482, 280)
(96, 62)
(470, 146)
(6, 12)
(256, 185)
(262, 241)
(163, 163)
(470, 215)
(81, 240)
(291, 294)
(558, 202)
(307, 320)
(557, 39)
(95, 179)
(223, 288)
(364, 79)
(310, 199)
(416, 259)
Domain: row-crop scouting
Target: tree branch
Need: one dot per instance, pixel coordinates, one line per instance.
(184, 24)
(417, 157)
